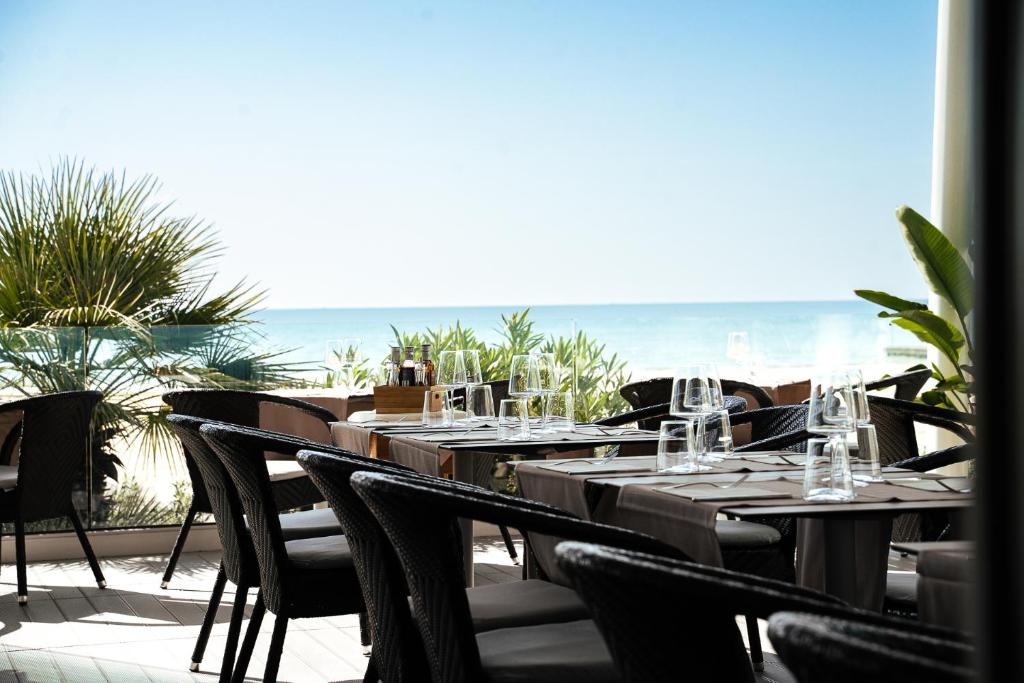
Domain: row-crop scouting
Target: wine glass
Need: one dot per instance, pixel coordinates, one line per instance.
(524, 378)
(547, 384)
(451, 372)
(867, 440)
(697, 393)
(471, 360)
(831, 413)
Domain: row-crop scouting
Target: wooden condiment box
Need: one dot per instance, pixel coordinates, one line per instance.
(388, 400)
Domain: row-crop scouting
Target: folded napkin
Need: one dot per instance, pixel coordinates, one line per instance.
(715, 493)
(592, 467)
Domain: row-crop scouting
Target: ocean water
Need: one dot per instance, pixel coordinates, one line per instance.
(786, 338)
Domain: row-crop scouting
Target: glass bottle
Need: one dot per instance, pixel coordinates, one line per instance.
(429, 374)
(394, 365)
(407, 373)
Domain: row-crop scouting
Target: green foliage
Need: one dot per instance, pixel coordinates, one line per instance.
(88, 249)
(949, 276)
(591, 372)
(101, 288)
(131, 505)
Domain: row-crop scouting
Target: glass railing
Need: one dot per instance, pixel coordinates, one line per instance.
(136, 476)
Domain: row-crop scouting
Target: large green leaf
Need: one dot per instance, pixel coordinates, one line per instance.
(942, 265)
(887, 300)
(931, 329)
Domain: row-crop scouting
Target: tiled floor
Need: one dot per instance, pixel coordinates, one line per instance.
(134, 631)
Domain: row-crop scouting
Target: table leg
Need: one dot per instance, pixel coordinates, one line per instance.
(840, 559)
(462, 470)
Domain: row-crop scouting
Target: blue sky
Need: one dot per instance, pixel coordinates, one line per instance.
(390, 154)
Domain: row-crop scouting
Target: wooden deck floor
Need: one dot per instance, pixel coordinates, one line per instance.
(134, 631)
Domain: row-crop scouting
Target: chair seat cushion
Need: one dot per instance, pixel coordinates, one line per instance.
(310, 524)
(569, 651)
(739, 534)
(8, 477)
(322, 553)
(282, 470)
(901, 590)
(523, 603)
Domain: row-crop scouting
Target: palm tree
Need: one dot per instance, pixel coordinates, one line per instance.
(102, 288)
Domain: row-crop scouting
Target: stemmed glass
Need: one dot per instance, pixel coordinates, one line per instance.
(451, 374)
(867, 438)
(692, 397)
(831, 413)
(547, 384)
(524, 378)
(473, 377)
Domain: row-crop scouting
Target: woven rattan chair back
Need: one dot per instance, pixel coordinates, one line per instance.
(660, 617)
(231, 407)
(55, 445)
(238, 554)
(419, 517)
(247, 469)
(821, 648)
(397, 649)
(652, 392)
(907, 385)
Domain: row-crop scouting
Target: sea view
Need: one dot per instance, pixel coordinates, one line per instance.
(786, 338)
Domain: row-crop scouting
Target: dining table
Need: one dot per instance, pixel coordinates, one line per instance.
(842, 547)
(466, 452)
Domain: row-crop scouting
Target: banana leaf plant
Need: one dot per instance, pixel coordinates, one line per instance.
(949, 276)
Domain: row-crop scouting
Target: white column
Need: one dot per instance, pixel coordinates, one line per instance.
(951, 176)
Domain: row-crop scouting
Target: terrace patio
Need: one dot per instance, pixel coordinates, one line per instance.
(133, 630)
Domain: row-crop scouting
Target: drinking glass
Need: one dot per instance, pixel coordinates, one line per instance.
(717, 437)
(559, 412)
(479, 402)
(677, 450)
(451, 369)
(827, 471)
(697, 392)
(513, 420)
(548, 382)
(471, 362)
(868, 466)
(451, 373)
(830, 413)
(524, 378)
(692, 390)
(862, 412)
(437, 418)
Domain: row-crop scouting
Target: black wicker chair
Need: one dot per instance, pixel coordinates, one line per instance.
(652, 392)
(241, 408)
(420, 520)
(398, 654)
(55, 436)
(238, 557)
(907, 384)
(298, 580)
(822, 648)
(651, 417)
(665, 619)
